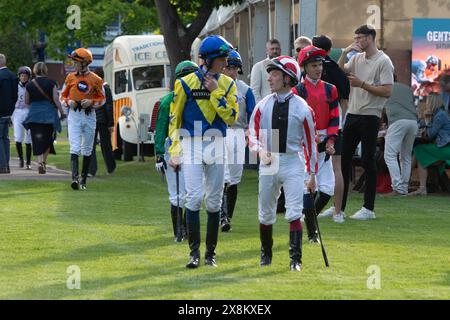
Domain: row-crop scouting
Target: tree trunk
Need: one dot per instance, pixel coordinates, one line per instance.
(177, 38)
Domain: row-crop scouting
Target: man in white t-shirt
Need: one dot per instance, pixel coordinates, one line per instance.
(371, 76)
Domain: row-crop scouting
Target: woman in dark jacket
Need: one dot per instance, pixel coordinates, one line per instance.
(43, 121)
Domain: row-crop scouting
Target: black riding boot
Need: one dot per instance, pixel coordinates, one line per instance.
(212, 233)
(28, 154)
(295, 250)
(224, 217)
(232, 191)
(265, 235)
(74, 166)
(193, 227)
(85, 171)
(321, 201)
(20, 154)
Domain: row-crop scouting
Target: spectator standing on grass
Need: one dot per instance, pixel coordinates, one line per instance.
(399, 139)
(370, 72)
(42, 119)
(8, 98)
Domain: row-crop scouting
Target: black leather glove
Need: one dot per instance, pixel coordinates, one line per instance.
(78, 107)
(322, 146)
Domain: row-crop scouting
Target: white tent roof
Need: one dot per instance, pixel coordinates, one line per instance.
(223, 14)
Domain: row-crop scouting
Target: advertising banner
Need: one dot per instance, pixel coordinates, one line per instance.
(430, 54)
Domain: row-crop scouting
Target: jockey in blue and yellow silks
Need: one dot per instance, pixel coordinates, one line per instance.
(204, 105)
(192, 102)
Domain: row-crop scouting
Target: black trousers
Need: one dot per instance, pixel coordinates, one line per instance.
(364, 129)
(105, 144)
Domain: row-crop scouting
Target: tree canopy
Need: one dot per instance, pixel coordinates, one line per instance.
(51, 16)
(181, 22)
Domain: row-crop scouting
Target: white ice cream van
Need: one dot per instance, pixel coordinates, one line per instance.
(138, 71)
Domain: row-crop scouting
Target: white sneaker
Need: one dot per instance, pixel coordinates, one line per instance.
(327, 213)
(363, 214)
(339, 218)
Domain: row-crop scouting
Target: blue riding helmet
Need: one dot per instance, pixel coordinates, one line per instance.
(234, 59)
(214, 47)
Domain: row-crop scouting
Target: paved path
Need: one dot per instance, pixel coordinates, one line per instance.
(22, 174)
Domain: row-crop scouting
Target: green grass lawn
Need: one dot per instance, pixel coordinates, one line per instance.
(119, 234)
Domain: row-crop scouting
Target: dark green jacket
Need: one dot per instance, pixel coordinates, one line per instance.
(162, 124)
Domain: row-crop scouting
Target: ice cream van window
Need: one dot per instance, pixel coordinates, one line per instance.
(148, 77)
(120, 81)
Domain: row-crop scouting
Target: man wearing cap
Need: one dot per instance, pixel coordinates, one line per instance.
(20, 114)
(82, 92)
(204, 104)
(282, 133)
(333, 74)
(322, 97)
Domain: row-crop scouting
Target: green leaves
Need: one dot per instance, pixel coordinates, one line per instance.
(23, 19)
(17, 49)
(27, 17)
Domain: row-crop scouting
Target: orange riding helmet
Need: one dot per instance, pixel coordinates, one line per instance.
(81, 55)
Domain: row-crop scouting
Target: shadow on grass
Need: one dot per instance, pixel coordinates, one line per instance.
(183, 281)
(110, 248)
(134, 198)
(19, 194)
